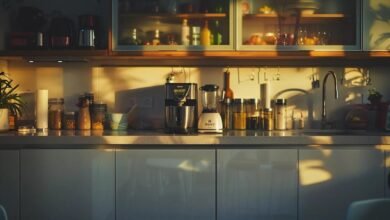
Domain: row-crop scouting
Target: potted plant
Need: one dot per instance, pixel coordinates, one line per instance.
(10, 102)
(374, 96)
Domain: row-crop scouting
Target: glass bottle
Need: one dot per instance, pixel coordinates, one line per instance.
(185, 33)
(227, 91)
(84, 117)
(56, 110)
(134, 40)
(156, 39)
(217, 34)
(205, 35)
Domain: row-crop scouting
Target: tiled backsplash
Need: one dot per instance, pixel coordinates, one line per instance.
(122, 87)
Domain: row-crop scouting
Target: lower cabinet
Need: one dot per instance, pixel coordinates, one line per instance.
(67, 184)
(9, 182)
(257, 184)
(330, 180)
(165, 184)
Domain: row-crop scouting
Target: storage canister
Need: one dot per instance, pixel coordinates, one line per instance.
(267, 119)
(98, 115)
(227, 113)
(69, 121)
(252, 114)
(280, 114)
(56, 110)
(239, 114)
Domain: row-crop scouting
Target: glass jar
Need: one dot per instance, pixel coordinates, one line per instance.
(69, 121)
(252, 114)
(56, 110)
(280, 114)
(227, 114)
(267, 119)
(239, 114)
(98, 115)
(84, 116)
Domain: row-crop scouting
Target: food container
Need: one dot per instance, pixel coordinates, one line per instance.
(69, 122)
(56, 110)
(252, 114)
(98, 115)
(239, 114)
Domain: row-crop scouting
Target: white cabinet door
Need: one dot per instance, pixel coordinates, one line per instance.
(67, 184)
(330, 180)
(165, 184)
(376, 25)
(9, 182)
(257, 184)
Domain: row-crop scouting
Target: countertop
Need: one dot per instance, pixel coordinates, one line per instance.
(234, 138)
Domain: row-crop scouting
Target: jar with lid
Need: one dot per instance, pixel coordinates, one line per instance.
(227, 113)
(98, 115)
(252, 114)
(56, 110)
(239, 114)
(267, 119)
(69, 121)
(280, 114)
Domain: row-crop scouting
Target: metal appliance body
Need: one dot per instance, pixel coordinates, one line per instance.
(181, 107)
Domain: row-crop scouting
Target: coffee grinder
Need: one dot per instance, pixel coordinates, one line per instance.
(210, 120)
(181, 107)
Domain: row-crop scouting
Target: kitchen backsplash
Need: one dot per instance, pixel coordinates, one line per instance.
(123, 87)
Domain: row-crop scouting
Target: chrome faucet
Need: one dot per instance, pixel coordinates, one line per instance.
(323, 119)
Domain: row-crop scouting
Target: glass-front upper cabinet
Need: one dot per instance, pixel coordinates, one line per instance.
(170, 25)
(321, 25)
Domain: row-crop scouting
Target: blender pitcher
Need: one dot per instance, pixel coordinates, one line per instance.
(210, 120)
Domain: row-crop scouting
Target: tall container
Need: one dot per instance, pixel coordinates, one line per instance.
(239, 114)
(252, 114)
(56, 111)
(280, 114)
(42, 108)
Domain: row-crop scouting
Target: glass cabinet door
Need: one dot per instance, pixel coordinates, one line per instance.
(170, 25)
(329, 25)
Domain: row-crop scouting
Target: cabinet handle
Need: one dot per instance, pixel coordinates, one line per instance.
(388, 179)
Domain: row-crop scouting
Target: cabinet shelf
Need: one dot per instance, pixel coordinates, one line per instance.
(12, 54)
(181, 16)
(308, 18)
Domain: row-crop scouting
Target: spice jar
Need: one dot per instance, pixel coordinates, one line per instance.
(227, 113)
(239, 114)
(267, 119)
(69, 121)
(98, 115)
(280, 114)
(56, 109)
(252, 114)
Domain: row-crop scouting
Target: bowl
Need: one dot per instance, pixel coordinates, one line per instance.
(117, 121)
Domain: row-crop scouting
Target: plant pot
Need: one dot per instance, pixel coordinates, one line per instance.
(4, 121)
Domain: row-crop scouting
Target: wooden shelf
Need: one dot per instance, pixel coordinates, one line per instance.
(181, 16)
(10, 54)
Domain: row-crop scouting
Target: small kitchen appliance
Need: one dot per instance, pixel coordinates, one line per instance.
(210, 120)
(181, 107)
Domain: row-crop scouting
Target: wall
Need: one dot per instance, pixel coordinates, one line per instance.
(122, 87)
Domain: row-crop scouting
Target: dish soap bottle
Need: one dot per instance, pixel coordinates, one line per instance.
(205, 35)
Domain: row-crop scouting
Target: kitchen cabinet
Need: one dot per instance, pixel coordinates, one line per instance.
(9, 182)
(387, 173)
(376, 26)
(330, 180)
(173, 25)
(165, 184)
(67, 184)
(257, 184)
(320, 25)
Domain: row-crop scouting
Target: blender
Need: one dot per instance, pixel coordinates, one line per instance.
(210, 120)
